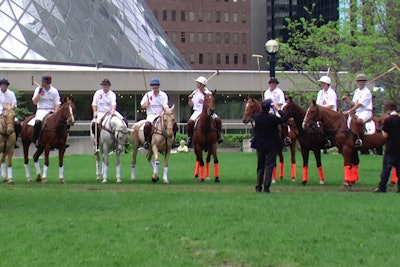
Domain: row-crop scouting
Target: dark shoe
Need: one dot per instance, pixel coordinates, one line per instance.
(377, 190)
(146, 145)
(258, 188)
(358, 143)
(266, 190)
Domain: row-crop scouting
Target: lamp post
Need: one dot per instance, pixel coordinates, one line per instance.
(272, 47)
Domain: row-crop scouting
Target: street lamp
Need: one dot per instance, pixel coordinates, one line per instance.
(272, 47)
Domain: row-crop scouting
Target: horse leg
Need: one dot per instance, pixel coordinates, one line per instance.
(293, 159)
(25, 147)
(105, 163)
(36, 156)
(216, 164)
(200, 162)
(98, 167)
(165, 173)
(208, 159)
(347, 163)
(305, 154)
(45, 165)
(355, 161)
(196, 171)
(281, 164)
(317, 155)
(61, 152)
(118, 167)
(133, 163)
(156, 164)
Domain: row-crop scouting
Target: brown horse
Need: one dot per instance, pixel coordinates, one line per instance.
(53, 135)
(308, 140)
(205, 138)
(161, 142)
(7, 143)
(252, 107)
(334, 125)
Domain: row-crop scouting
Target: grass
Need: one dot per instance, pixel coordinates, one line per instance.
(184, 223)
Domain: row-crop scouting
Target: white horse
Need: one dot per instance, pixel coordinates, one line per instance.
(114, 134)
(161, 141)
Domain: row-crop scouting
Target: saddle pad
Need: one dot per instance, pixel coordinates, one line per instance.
(369, 126)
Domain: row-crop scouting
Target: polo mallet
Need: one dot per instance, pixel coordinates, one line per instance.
(213, 75)
(259, 74)
(34, 82)
(395, 66)
(144, 76)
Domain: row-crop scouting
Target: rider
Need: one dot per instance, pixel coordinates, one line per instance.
(361, 104)
(327, 98)
(275, 94)
(47, 99)
(154, 101)
(104, 101)
(196, 99)
(8, 101)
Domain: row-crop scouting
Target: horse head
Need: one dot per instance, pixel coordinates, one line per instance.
(209, 103)
(312, 119)
(294, 112)
(121, 135)
(9, 118)
(69, 110)
(169, 121)
(252, 107)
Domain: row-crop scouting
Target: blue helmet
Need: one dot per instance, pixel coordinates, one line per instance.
(155, 81)
(4, 80)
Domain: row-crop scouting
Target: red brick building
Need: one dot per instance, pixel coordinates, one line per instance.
(210, 34)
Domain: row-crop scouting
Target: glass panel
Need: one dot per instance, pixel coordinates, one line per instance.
(18, 11)
(16, 32)
(6, 23)
(14, 46)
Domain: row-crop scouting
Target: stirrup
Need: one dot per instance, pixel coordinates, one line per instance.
(287, 141)
(146, 145)
(358, 143)
(328, 144)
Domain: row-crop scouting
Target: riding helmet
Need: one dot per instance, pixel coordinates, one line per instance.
(106, 82)
(155, 81)
(361, 77)
(201, 79)
(273, 80)
(325, 79)
(46, 79)
(4, 80)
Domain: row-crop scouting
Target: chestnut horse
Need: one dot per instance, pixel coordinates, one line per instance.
(53, 135)
(252, 107)
(205, 138)
(308, 140)
(161, 142)
(334, 125)
(7, 144)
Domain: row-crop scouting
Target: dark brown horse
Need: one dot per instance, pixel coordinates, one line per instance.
(334, 125)
(308, 140)
(205, 138)
(54, 133)
(252, 107)
(7, 143)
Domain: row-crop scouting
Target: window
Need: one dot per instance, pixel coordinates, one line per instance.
(183, 15)
(235, 38)
(235, 59)
(209, 16)
(200, 37)
(209, 58)
(244, 59)
(244, 17)
(235, 17)
(217, 16)
(218, 37)
(209, 37)
(200, 16)
(173, 15)
(191, 16)
(226, 17)
(173, 37)
(191, 37)
(191, 58)
(183, 37)
(218, 59)
(227, 58)
(226, 38)
(164, 15)
(200, 58)
(244, 38)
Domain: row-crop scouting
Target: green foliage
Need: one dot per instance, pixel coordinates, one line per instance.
(21, 112)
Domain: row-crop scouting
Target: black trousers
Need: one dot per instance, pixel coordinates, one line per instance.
(265, 165)
(389, 161)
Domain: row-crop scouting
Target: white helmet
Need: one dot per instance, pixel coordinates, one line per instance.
(325, 79)
(201, 79)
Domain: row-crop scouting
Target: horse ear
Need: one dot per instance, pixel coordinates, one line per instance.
(313, 101)
(172, 108)
(214, 91)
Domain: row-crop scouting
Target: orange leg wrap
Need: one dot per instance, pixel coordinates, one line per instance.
(293, 170)
(201, 172)
(354, 170)
(348, 174)
(281, 170)
(394, 176)
(216, 170)
(207, 169)
(305, 173)
(196, 168)
(274, 173)
(321, 173)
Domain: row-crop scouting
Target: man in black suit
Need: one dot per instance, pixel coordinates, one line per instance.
(267, 142)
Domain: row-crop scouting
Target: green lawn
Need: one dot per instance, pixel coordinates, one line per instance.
(186, 223)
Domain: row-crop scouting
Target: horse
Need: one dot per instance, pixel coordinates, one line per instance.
(205, 138)
(7, 144)
(53, 135)
(334, 125)
(113, 136)
(252, 107)
(161, 142)
(308, 140)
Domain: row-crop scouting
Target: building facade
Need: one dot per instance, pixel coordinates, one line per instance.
(210, 34)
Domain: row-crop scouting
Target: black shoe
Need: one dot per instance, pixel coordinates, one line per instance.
(146, 145)
(258, 188)
(377, 190)
(266, 190)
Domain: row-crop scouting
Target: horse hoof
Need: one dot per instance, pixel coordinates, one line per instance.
(10, 182)
(154, 179)
(119, 181)
(104, 181)
(391, 183)
(293, 179)
(207, 178)
(217, 180)
(38, 178)
(62, 181)
(304, 183)
(133, 179)
(166, 181)
(347, 184)
(44, 181)
(273, 181)
(29, 180)
(196, 179)
(321, 182)
(202, 181)
(281, 177)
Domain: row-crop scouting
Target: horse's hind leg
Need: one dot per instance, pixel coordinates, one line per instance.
(317, 155)
(216, 164)
(118, 167)
(37, 164)
(61, 165)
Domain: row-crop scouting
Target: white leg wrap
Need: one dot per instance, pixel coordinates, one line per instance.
(165, 175)
(118, 169)
(133, 172)
(61, 172)
(98, 168)
(157, 163)
(45, 169)
(105, 171)
(3, 170)
(37, 167)
(27, 171)
(9, 172)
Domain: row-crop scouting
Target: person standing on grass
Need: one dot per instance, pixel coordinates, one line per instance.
(267, 142)
(391, 158)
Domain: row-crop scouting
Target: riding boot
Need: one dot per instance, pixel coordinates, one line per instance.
(17, 130)
(360, 133)
(147, 131)
(190, 129)
(218, 125)
(36, 132)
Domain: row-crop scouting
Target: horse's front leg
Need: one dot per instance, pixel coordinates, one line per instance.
(133, 165)
(98, 166)
(61, 153)
(305, 154)
(293, 159)
(216, 163)
(45, 165)
(166, 159)
(118, 166)
(3, 167)
(281, 165)
(10, 153)
(317, 155)
(156, 164)
(36, 156)
(105, 163)
(199, 163)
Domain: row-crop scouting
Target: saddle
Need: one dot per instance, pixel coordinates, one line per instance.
(369, 126)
